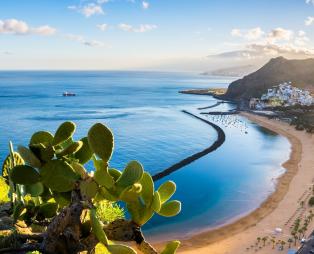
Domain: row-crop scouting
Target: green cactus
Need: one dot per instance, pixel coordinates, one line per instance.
(130, 175)
(171, 247)
(23, 174)
(8, 164)
(170, 209)
(35, 189)
(88, 188)
(48, 183)
(42, 152)
(48, 209)
(79, 169)
(101, 175)
(63, 133)
(120, 249)
(97, 228)
(100, 139)
(29, 157)
(58, 175)
(85, 153)
(166, 190)
(43, 137)
(71, 149)
(148, 190)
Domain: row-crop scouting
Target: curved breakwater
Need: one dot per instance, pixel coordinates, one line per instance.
(221, 137)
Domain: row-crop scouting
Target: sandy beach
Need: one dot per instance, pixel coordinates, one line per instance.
(278, 211)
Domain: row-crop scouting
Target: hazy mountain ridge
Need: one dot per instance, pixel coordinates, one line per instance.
(235, 71)
(276, 71)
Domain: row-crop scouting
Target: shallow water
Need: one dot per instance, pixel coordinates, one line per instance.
(144, 111)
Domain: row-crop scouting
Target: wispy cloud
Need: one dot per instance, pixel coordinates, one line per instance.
(82, 40)
(257, 33)
(145, 5)
(309, 1)
(250, 34)
(141, 29)
(102, 27)
(279, 34)
(19, 27)
(309, 21)
(89, 9)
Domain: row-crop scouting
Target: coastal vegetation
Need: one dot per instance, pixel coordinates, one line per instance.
(54, 205)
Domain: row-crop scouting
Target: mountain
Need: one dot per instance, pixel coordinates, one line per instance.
(236, 71)
(276, 71)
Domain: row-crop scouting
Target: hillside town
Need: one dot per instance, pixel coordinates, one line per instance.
(283, 95)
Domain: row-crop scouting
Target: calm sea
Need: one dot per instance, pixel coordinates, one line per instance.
(144, 111)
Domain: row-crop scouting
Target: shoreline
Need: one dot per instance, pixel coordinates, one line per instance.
(203, 242)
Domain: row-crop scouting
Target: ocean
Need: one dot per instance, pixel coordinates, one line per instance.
(144, 111)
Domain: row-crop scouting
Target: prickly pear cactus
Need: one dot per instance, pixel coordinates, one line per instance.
(49, 186)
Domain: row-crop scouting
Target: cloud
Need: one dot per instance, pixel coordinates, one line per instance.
(277, 42)
(250, 34)
(301, 39)
(145, 5)
(44, 30)
(141, 29)
(82, 40)
(255, 51)
(309, 1)
(89, 9)
(255, 34)
(279, 34)
(309, 21)
(102, 27)
(19, 27)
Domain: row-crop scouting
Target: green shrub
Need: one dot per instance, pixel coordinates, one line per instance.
(4, 191)
(108, 211)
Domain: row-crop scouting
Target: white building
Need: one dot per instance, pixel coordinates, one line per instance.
(283, 95)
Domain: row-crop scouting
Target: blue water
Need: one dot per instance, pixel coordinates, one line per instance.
(144, 111)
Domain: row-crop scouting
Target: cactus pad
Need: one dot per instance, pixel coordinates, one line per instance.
(100, 139)
(8, 164)
(58, 175)
(166, 190)
(170, 209)
(171, 247)
(130, 175)
(85, 153)
(29, 157)
(64, 132)
(43, 137)
(23, 174)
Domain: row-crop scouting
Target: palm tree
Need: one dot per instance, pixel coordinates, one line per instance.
(295, 236)
(258, 240)
(300, 231)
(282, 244)
(290, 241)
(273, 242)
(264, 239)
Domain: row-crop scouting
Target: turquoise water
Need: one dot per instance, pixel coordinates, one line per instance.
(144, 111)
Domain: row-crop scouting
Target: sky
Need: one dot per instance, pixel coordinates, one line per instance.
(174, 35)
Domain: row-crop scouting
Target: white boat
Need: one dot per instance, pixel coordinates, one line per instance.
(68, 94)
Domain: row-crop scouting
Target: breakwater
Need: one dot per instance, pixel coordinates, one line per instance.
(221, 137)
